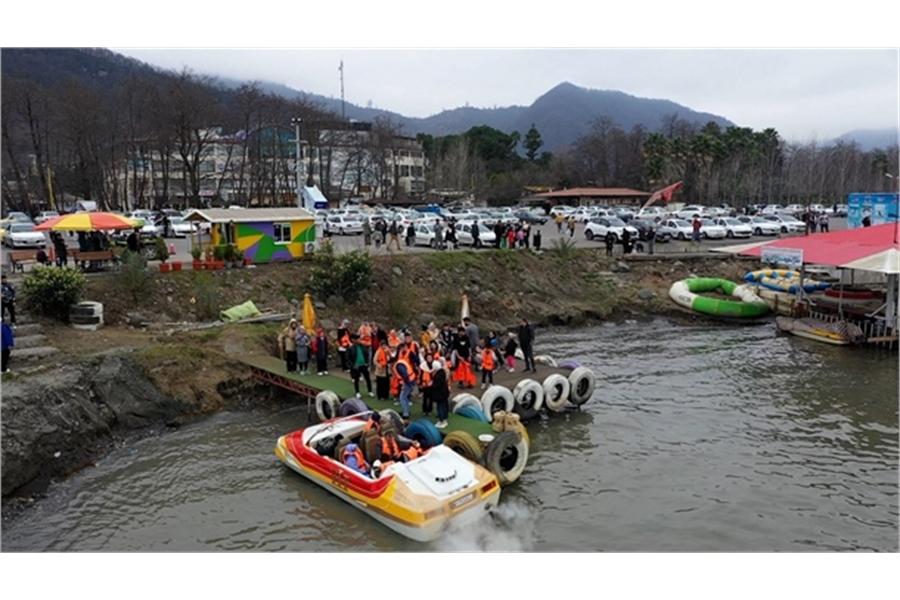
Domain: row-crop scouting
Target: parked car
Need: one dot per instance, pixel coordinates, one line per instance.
(147, 228)
(677, 228)
(486, 236)
(526, 216)
(761, 225)
(650, 212)
(644, 225)
(344, 224)
(840, 210)
(690, 212)
(626, 214)
(23, 235)
(561, 209)
(583, 214)
(787, 223)
(19, 217)
(181, 228)
(425, 235)
(709, 230)
(793, 209)
(45, 216)
(734, 227)
(600, 227)
(771, 209)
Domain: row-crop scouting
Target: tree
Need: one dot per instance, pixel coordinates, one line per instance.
(532, 143)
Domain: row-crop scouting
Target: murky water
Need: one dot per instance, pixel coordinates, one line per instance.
(698, 438)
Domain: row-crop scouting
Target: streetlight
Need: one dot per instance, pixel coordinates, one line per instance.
(296, 122)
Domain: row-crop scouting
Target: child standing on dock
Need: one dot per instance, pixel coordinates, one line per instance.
(302, 342)
(510, 352)
(320, 349)
(488, 364)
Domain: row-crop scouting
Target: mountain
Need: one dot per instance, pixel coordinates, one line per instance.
(870, 139)
(561, 115)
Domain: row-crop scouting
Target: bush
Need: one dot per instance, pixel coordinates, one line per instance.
(205, 297)
(134, 278)
(347, 275)
(49, 291)
(447, 305)
(161, 252)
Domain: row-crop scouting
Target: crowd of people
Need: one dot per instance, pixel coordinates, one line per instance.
(446, 234)
(401, 363)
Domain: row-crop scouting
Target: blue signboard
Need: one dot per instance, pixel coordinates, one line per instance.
(878, 208)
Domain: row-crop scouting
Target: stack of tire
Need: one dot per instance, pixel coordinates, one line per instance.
(86, 315)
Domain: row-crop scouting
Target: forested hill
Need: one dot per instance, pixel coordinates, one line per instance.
(562, 115)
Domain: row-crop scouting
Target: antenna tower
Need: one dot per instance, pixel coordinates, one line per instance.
(341, 69)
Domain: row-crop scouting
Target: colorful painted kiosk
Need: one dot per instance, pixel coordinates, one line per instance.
(262, 234)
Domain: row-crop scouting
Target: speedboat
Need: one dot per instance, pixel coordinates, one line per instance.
(419, 499)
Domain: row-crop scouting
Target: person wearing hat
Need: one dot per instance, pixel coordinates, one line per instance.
(287, 343)
(9, 301)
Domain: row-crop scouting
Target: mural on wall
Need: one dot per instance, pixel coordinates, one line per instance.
(257, 240)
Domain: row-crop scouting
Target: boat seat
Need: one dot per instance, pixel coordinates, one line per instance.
(372, 447)
(339, 449)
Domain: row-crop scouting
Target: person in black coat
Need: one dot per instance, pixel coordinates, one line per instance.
(440, 393)
(526, 340)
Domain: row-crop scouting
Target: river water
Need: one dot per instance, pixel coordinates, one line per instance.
(698, 438)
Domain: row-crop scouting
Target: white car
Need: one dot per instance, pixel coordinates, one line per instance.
(734, 228)
(561, 209)
(147, 229)
(583, 214)
(486, 236)
(793, 209)
(761, 226)
(691, 211)
(425, 235)
(771, 209)
(650, 213)
(181, 228)
(709, 230)
(840, 210)
(344, 225)
(19, 217)
(23, 235)
(45, 216)
(786, 223)
(679, 229)
(599, 227)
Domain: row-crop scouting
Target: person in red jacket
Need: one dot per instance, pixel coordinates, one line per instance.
(320, 350)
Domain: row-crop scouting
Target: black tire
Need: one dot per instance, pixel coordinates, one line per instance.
(581, 382)
(681, 236)
(703, 235)
(589, 234)
(352, 406)
(328, 406)
(729, 234)
(433, 244)
(783, 229)
(757, 231)
(506, 456)
(340, 232)
(465, 444)
(395, 419)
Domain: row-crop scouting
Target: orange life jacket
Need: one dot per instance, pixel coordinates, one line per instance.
(371, 424)
(411, 373)
(393, 340)
(360, 459)
(381, 357)
(389, 447)
(365, 335)
(344, 342)
(487, 360)
(411, 453)
(426, 379)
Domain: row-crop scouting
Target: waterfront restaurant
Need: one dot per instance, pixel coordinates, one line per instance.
(587, 196)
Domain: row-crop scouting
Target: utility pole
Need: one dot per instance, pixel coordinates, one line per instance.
(341, 69)
(299, 161)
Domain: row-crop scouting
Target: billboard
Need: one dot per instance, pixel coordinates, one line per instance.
(879, 208)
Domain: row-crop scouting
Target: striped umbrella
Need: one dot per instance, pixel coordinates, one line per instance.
(88, 221)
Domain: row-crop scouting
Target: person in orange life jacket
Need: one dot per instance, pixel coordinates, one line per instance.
(440, 392)
(489, 364)
(406, 373)
(319, 347)
(390, 448)
(382, 371)
(374, 422)
(414, 451)
(353, 458)
(343, 338)
(435, 349)
(393, 340)
(359, 365)
(510, 352)
(365, 340)
(462, 353)
(425, 380)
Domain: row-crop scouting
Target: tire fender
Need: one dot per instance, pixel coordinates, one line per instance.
(569, 365)
(556, 391)
(396, 420)
(581, 382)
(506, 456)
(473, 412)
(328, 406)
(352, 406)
(497, 398)
(464, 399)
(465, 444)
(529, 395)
(424, 432)
(545, 359)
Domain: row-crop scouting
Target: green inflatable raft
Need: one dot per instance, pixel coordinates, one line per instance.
(686, 293)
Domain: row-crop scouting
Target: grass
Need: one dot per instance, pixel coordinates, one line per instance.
(464, 259)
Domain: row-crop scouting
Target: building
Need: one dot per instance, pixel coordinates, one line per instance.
(590, 196)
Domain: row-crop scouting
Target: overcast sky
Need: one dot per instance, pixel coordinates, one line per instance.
(804, 94)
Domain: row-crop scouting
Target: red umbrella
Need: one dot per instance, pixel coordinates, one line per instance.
(88, 221)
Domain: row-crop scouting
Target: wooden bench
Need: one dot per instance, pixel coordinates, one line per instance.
(18, 258)
(88, 259)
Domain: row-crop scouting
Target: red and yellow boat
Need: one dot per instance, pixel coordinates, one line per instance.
(419, 499)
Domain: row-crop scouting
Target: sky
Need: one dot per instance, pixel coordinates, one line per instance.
(805, 94)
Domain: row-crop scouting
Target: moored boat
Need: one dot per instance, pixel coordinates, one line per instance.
(839, 333)
(686, 293)
(419, 499)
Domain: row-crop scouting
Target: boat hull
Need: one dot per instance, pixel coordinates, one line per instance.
(422, 525)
